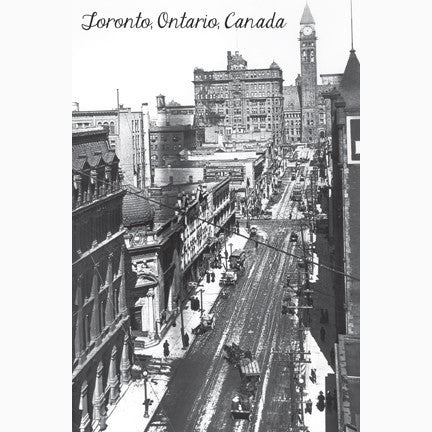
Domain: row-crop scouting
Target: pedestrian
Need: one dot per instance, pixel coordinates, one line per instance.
(329, 400)
(313, 376)
(322, 333)
(166, 349)
(186, 340)
(321, 401)
(326, 317)
(163, 316)
(213, 276)
(308, 407)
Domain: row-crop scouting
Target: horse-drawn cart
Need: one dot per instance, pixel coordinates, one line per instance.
(241, 407)
(243, 402)
(207, 323)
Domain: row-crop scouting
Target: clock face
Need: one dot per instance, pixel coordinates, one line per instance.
(307, 31)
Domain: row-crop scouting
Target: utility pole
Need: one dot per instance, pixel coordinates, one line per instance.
(306, 270)
(118, 116)
(181, 319)
(247, 204)
(201, 300)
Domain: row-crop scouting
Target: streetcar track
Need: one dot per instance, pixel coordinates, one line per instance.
(243, 311)
(215, 366)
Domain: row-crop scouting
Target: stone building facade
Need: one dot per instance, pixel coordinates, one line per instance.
(239, 100)
(154, 249)
(100, 322)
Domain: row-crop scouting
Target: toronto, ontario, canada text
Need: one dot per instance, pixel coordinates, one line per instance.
(165, 21)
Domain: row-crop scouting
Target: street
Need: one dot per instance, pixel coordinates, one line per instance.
(203, 383)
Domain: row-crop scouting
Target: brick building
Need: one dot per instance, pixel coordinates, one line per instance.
(100, 321)
(200, 205)
(292, 115)
(240, 100)
(344, 232)
(167, 142)
(128, 135)
(173, 113)
(172, 132)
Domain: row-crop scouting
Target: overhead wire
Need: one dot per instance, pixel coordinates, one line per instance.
(128, 189)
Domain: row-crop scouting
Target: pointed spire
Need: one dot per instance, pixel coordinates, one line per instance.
(307, 17)
(350, 84)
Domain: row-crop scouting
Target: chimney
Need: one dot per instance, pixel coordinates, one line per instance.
(160, 101)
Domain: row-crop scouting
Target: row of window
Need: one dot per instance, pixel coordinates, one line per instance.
(238, 75)
(295, 131)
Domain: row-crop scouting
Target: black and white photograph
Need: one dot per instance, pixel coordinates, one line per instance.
(216, 216)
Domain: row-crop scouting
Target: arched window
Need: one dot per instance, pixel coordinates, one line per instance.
(112, 128)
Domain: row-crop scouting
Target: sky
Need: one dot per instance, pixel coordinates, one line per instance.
(143, 63)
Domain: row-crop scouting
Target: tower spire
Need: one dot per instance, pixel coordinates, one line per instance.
(307, 17)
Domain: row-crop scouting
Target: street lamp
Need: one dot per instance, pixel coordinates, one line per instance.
(156, 335)
(145, 376)
(231, 245)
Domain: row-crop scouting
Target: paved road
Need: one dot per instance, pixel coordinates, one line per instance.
(203, 383)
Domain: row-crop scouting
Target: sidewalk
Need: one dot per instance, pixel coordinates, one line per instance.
(316, 421)
(128, 414)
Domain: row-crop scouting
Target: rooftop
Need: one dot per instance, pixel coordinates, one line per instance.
(168, 197)
(307, 17)
(136, 210)
(350, 84)
(90, 146)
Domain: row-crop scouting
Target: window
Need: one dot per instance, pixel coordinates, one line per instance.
(87, 330)
(190, 179)
(102, 315)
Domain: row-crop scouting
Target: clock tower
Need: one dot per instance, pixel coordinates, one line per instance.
(308, 79)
